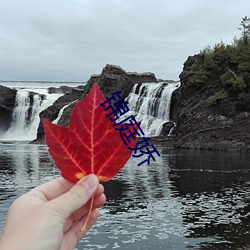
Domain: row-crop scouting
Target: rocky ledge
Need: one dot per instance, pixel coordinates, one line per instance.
(7, 104)
(206, 120)
(112, 79)
(51, 113)
(207, 114)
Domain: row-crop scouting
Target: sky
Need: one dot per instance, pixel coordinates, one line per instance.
(69, 40)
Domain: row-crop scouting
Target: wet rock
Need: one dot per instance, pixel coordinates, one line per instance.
(52, 112)
(7, 104)
(166, 128)
(113, 79)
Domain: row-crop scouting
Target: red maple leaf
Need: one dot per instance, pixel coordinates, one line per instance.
(89, 144)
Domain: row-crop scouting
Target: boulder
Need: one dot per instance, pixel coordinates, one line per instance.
(113, 79)
(166, 128)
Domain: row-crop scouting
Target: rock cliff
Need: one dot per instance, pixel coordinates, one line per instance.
(7, 104)
(208, 113)
(51, 113)
(112, 79)
(209, 116)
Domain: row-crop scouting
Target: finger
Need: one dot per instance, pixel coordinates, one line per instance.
(77, 215)
(75, 234)
(99, 201)
(54, 188)
(75, 198)
(99, 190)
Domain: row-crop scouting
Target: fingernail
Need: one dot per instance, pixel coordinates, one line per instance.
(89, 182)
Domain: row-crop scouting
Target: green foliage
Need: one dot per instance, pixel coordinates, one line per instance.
(242, 96)
(244, 70)
(239, 84)
(232, 80)
(226, 67)
(228, 78)
(245, 22)
(222, 53)
(210, 65)
(216, 98)
(197, 75)
(206, 51)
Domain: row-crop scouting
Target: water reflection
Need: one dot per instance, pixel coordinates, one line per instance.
(186, 199)
(22, 167)
(142, 210)
(214, 187)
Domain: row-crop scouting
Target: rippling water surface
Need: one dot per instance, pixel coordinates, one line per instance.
(184, 200)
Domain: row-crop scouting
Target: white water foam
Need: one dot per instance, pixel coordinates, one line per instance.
(25, 117)
(61, 112)
(150, 103)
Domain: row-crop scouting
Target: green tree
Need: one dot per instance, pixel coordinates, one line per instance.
(245, 28)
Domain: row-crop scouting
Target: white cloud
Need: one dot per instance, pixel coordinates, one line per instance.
(70, 40)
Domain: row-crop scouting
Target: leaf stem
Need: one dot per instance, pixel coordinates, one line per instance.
(88, 216)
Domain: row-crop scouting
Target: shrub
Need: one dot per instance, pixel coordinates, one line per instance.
(197, 75)
(206, 51)
(227, 78)
(242, 96)
(216, 98)
(239, 84)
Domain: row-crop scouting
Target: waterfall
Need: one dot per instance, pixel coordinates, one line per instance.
(150, 103)
(61, 112)
(25, 117)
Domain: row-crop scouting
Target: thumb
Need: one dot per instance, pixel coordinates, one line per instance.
(76, 197)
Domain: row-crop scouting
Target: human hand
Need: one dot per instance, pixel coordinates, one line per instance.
(50, 216)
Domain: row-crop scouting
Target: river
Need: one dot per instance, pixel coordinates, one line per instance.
(183, 200)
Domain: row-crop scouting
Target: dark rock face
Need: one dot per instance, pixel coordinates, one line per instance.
(31, 101)
(63, 89)
(175, 99)
(203, 126)
(52, 112)
(113, 79)
(166, 128)
(7, 104)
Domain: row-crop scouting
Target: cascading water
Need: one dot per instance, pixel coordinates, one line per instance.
(25, 117)
(20, 112)
(61, 112)
(150, 103)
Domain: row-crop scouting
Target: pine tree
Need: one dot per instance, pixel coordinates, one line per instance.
(245, 28)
